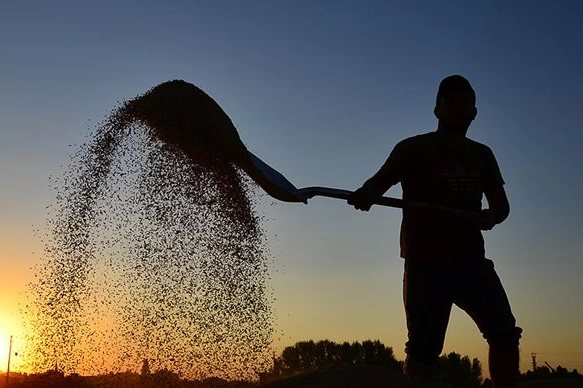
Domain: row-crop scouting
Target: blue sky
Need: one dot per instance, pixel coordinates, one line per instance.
(321, 91)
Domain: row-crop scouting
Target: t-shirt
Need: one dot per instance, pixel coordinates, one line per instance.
(432, 169)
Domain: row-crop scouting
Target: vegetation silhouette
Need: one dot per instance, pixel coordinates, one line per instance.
(307, 356)
(302, 359)
(546, 373)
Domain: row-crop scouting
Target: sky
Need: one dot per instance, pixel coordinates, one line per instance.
(321, 91)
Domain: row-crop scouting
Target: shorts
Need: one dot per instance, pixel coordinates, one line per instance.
(429, 291)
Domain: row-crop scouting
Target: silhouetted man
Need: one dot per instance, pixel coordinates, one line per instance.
(444, 255)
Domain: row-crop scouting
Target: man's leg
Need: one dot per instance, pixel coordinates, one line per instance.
(427, 306)
(503, 363)
(482, 296)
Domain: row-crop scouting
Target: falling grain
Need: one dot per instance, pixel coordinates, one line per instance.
(155, 250)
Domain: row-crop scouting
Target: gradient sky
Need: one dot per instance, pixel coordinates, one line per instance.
(321, 91)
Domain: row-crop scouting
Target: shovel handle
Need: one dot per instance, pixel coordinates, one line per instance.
(310, 192)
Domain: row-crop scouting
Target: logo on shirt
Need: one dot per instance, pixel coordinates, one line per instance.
(459, 180)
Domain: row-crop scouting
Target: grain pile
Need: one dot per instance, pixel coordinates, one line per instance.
(155, 250)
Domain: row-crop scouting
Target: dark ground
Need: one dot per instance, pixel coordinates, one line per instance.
(367, 376)
(356, 376)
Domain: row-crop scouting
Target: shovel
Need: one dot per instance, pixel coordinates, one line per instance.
(277, 186)
(184, 116)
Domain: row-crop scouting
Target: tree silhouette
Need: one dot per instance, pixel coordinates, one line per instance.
(290, 358)
(307, 356)
(375, 353)
(327, 354)
(310, 355)
(348, 353)
(457, 370)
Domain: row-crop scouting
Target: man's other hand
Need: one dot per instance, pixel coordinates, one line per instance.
(487, 220)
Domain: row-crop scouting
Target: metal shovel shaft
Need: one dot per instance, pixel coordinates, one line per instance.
(310, 192)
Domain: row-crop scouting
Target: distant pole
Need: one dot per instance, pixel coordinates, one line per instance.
(533, 361)
(8, 367)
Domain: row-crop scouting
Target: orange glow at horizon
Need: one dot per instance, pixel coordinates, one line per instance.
(4, 345)
(8, 333)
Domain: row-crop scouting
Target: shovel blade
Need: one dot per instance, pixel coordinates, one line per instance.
(271, 181)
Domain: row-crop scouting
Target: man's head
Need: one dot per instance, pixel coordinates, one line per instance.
(455, 105)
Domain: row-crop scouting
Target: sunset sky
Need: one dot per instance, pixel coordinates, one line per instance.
(321, 91)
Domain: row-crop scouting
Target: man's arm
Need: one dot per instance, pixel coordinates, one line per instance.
(498, 207)
(364, 197)
(388, 175)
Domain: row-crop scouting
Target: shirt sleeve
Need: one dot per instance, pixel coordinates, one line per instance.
(391, 172)
(493, 177)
